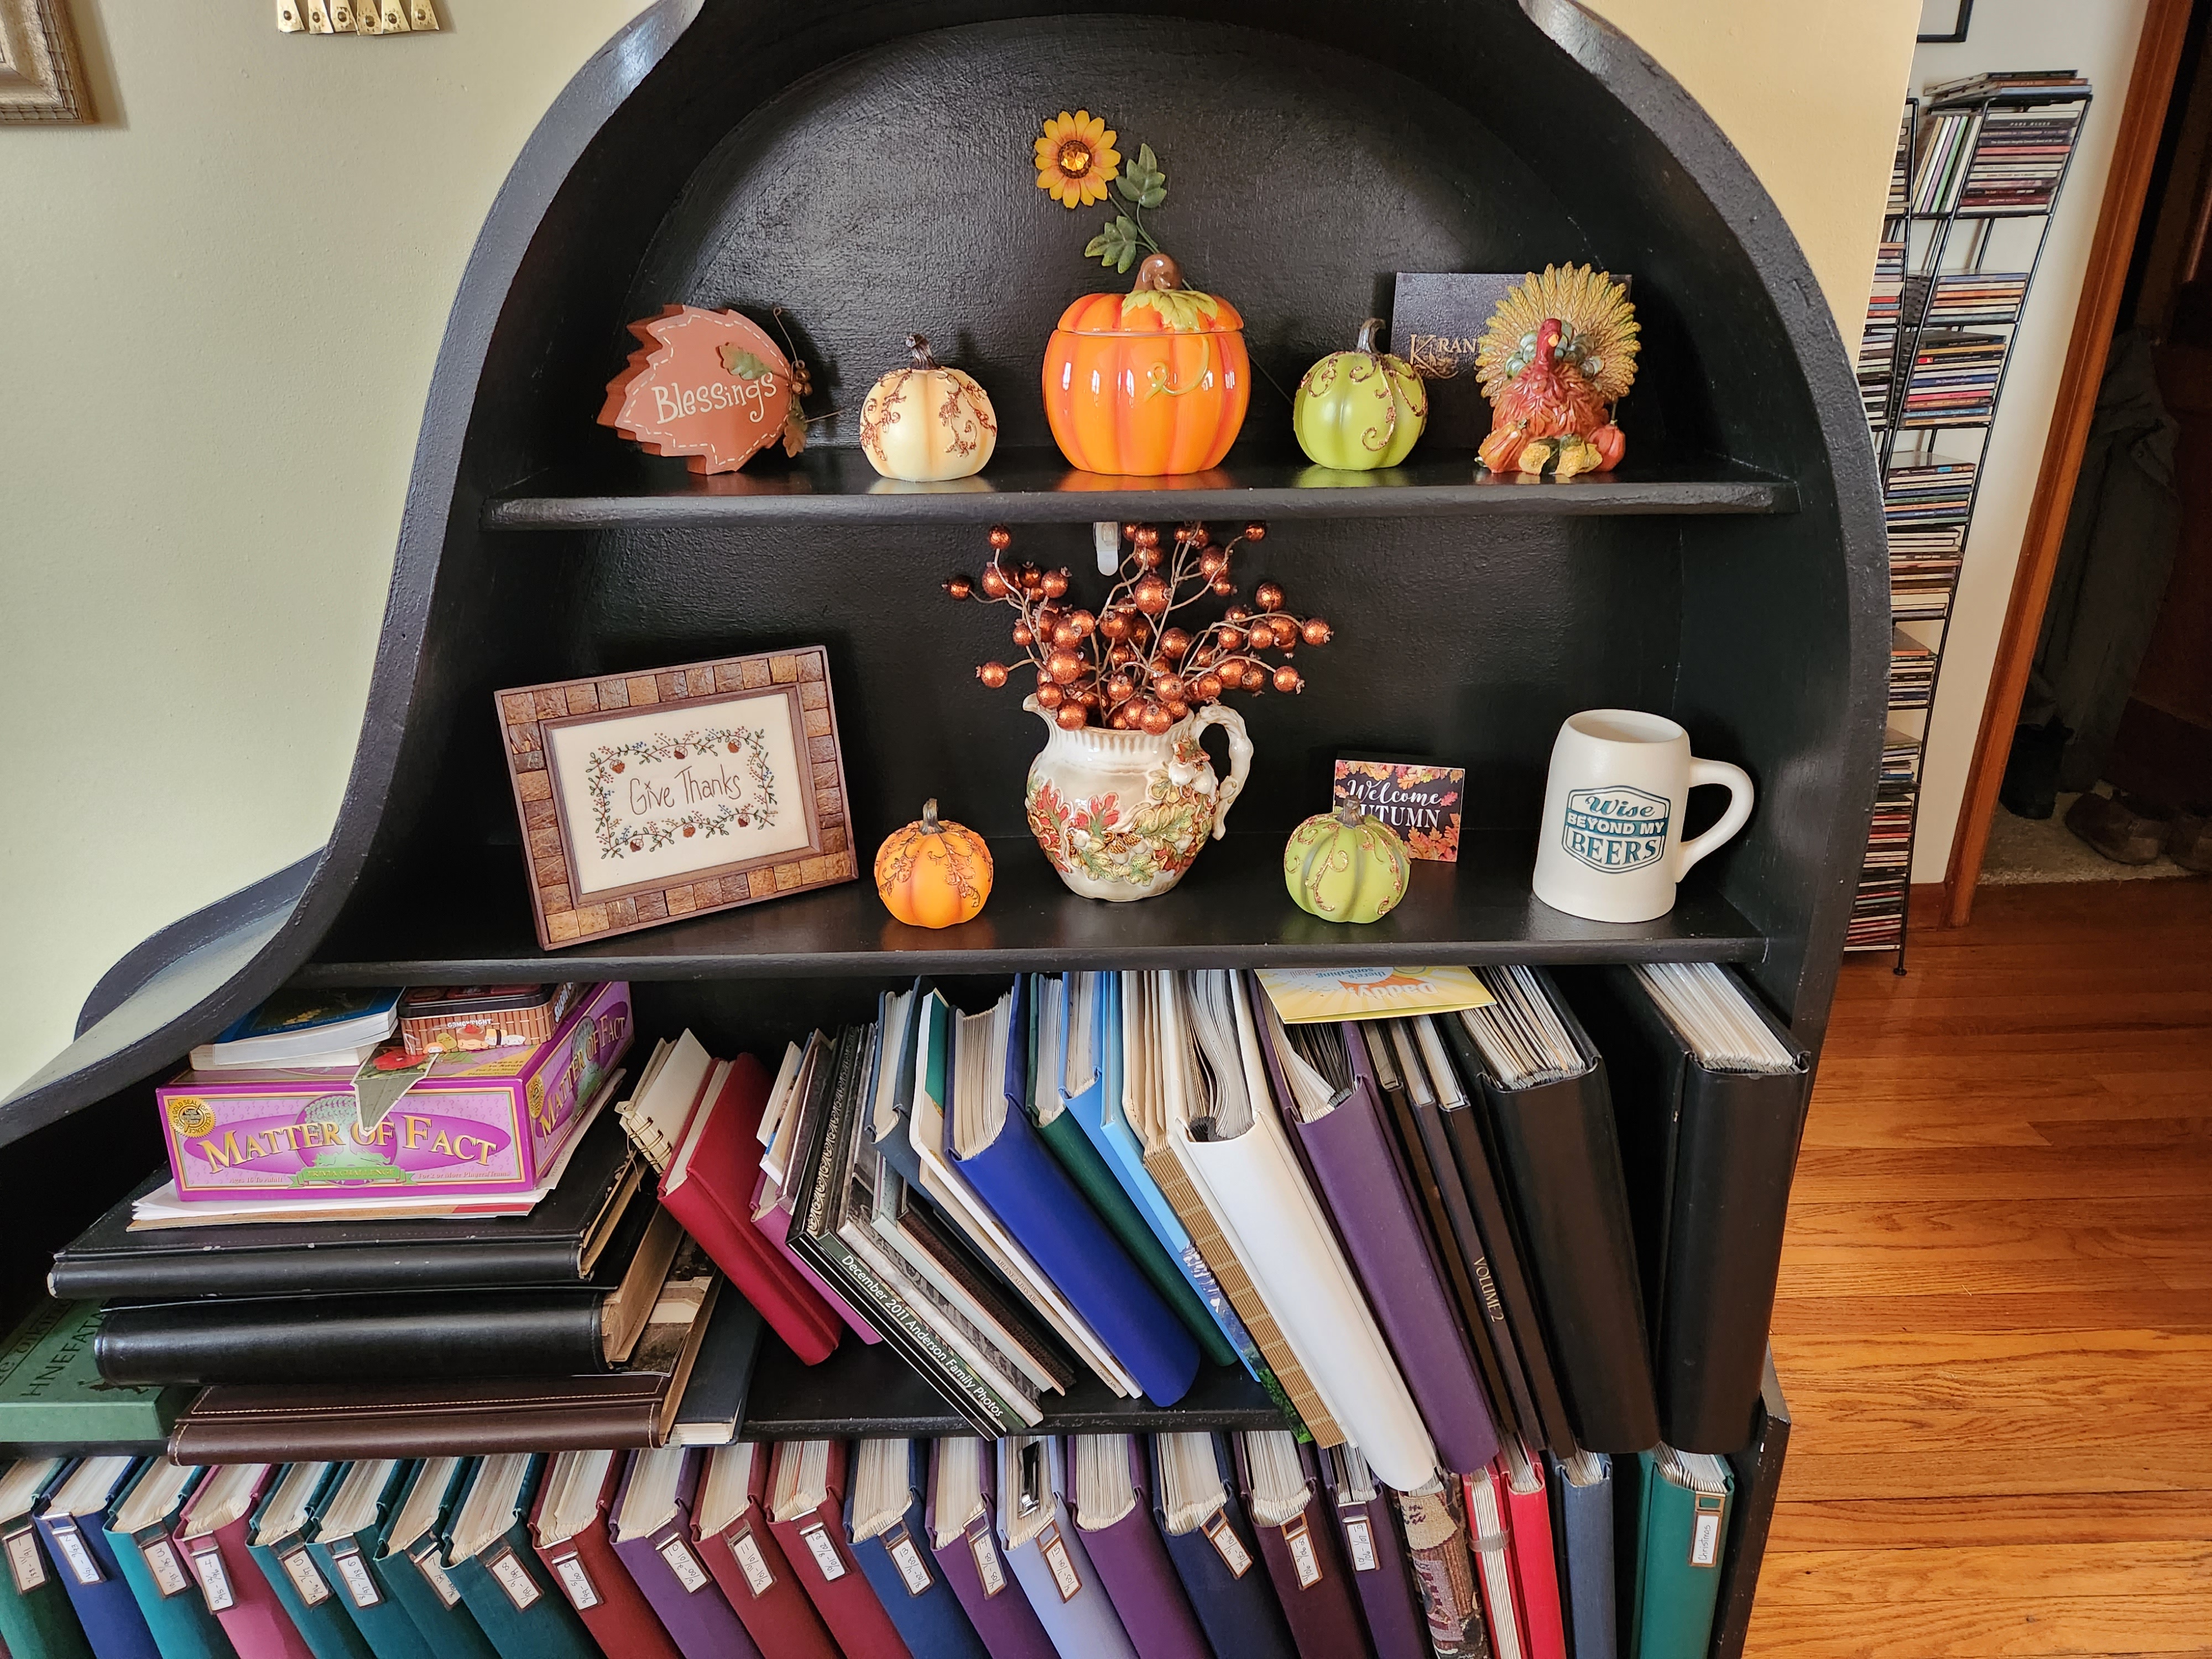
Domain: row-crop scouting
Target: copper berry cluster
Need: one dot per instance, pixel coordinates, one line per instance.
(1127, 665)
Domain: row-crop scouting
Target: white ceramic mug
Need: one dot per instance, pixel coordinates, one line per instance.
(1611, 847)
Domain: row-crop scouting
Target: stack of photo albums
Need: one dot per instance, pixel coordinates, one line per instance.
(1491, 1240)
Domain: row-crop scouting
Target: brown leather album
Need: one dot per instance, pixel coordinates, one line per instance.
(635, 1405)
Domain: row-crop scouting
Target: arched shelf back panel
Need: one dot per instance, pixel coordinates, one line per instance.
(863, 167)
(892, 191)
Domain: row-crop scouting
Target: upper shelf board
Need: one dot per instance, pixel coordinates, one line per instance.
(1231, 911)
(1035, 486)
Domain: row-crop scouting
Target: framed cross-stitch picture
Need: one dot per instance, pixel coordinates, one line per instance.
(645, 798)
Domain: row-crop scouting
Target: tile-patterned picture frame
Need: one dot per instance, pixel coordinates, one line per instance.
(41, 78)
(648, 796)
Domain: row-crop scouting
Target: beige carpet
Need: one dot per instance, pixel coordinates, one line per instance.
(2022, 851)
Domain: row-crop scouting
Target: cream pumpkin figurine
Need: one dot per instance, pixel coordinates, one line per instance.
(926, 424)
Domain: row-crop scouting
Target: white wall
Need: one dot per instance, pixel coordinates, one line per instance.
(1810, 95)
(2099, 39)
(222, 304)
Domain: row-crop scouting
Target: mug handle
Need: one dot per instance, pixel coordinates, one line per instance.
(1240, 760)
(1737, 783)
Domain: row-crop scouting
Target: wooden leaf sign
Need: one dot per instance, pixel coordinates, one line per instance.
(708, 385)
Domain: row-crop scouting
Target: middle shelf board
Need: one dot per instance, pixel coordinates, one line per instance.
(631, 490)
(470, 924)
(868, 1390)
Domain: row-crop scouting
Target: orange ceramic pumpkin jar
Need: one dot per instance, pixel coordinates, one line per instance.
(1149, 382)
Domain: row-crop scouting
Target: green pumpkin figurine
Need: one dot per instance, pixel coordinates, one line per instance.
(1360, 409)
(1346, 867)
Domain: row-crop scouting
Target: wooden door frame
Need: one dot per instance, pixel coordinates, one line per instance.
(2134, 152)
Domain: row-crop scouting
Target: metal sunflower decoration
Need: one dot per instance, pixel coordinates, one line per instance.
(1077, 165)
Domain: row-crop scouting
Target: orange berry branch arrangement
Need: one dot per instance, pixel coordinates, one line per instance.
(1128, 665)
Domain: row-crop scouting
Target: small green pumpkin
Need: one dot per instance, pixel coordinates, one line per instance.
(1360, 409)
(1346, 867)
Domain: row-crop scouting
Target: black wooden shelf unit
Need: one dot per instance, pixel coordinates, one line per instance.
(1732, 574)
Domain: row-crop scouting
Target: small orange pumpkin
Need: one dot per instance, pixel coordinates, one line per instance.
(933, 873)
(1149, 382)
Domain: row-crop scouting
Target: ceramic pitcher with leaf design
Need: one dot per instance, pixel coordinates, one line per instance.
(1122, 814)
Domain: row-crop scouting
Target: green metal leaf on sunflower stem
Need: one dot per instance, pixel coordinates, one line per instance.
(1118, 242)
(1146, 160)
(1152, 198)
(1129, 189)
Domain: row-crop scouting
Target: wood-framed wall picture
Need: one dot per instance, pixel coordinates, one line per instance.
(1943, 22)
(41, 77)
(648, 796)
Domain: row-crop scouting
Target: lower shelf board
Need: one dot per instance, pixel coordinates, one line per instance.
(866, 1389)
(468, 922)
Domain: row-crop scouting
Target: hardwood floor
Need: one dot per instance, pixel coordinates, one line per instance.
(1995, 1320)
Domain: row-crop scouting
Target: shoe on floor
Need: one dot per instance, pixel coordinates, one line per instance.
(2189, 843)
(2030, 789)
(2124, 833)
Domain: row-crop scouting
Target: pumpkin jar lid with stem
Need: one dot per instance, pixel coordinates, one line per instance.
(1156, 303)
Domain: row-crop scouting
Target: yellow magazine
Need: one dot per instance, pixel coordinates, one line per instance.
(1305, 996)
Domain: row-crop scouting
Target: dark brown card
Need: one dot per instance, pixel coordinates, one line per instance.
(1436, 322)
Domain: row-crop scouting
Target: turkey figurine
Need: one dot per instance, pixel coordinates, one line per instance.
(1559, 352)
